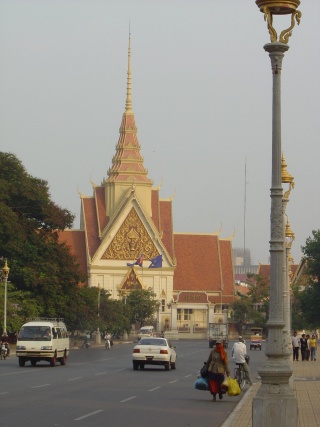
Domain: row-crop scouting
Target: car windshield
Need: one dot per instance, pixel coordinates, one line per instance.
(35, 333)
(146, 341)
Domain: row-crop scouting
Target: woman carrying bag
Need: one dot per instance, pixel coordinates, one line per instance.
(217, 364)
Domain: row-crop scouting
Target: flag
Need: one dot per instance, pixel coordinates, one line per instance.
(156, 262)
(138, 262)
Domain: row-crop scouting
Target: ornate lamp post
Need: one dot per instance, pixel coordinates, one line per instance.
(98, 335)
(5, 273)
(288, 238)
(275, 404)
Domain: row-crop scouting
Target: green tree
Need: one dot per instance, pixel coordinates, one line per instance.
(142, 306)
(309, 299)
(252, 308)
(29, 225)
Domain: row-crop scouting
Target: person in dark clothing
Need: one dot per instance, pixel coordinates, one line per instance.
(303, 347)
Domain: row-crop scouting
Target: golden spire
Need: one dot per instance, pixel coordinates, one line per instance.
(128, 100)
(286, 177)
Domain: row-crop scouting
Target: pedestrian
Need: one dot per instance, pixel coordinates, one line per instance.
(239, 353)
(303, 347)
(308, 347)
(217, 364)
(295, 346)
(313, 347)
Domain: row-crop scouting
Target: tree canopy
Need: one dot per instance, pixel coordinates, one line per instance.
(41, 267)
(307, 302)
(252, 308)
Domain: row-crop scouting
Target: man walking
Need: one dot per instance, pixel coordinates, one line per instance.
(295, 346)
(239, 352)
(303, 347)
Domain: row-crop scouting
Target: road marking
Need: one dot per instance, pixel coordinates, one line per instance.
(129, 398)
(153, 389)
(100, 373)
(174, 381)
(39, 386)
(186, 376)
(88, 415)
(121, 369)
(4, 392)
(74, 379)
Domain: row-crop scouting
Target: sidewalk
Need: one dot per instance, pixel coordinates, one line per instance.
(306, 388)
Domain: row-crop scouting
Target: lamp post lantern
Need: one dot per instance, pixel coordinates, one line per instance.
(5, 273)
(275, 404)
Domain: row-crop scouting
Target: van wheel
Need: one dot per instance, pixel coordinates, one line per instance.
(33, 362)
(53, 360)
(63, 359)
(22, 361)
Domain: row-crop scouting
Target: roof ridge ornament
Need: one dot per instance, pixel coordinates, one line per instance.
(129, 99)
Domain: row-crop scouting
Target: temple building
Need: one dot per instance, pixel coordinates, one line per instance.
(126, 221)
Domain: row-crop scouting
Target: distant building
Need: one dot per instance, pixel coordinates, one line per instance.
(126, 222)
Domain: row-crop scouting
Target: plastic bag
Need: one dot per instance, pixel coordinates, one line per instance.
(233, 387)
(224, 386)
(201, 384)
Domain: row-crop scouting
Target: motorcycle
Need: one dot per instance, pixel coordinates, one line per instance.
(86, 343)
(4, 352)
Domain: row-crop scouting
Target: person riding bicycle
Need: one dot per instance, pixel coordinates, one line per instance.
(239, 353)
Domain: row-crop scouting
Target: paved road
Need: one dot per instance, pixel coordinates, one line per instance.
(99, 387)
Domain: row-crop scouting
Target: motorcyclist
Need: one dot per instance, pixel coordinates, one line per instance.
(107, 338)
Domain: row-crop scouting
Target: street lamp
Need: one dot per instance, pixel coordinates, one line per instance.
(275, 403)
(98, 335)
(287, 179)
(5, 274)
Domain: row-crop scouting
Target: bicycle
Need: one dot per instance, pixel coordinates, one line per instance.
(240, 375)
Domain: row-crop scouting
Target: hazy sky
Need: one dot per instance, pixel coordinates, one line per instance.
(201, 91)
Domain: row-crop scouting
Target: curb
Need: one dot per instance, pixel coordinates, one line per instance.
(238, 409)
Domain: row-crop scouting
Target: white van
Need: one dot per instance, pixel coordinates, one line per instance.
(145, 332)
(43, 339)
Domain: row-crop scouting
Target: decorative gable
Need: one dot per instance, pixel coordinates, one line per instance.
(131, 282)
(131, 240)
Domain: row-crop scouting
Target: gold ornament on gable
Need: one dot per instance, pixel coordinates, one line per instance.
(131, 240)
(131, 282)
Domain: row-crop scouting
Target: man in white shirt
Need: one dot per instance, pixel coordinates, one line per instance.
(295, 345)
(239, 352)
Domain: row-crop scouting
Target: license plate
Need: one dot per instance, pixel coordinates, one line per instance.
(149, 357)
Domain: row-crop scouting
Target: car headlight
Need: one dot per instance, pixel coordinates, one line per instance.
(46, 347)
(20, 347)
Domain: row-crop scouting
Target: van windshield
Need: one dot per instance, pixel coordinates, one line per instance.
(35, 333)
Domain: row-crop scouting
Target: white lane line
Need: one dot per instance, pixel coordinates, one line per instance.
(100, 373)
(39, 386)
(74, 379)
(129, 398)
(186, 376)
(174, 381)
(88, 415)
(153, 389)
(4, 392)
(121, 369)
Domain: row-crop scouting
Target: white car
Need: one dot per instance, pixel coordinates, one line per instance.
(154, 351)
